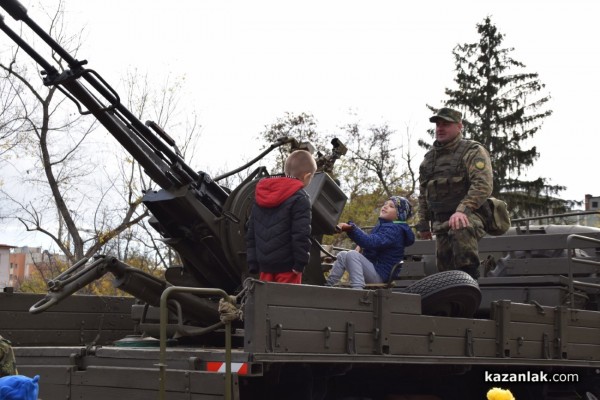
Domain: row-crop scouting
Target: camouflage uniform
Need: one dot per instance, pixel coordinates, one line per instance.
(454, 177)
(8, 365)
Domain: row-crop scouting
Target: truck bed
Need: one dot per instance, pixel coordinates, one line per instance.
(343, 330)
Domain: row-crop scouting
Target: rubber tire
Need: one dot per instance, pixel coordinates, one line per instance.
(448, 293)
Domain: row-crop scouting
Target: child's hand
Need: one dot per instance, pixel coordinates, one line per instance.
(343, 227)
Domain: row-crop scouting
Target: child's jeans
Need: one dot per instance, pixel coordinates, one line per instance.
(359, 269)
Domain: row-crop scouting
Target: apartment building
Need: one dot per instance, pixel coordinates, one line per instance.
(5, 265)
(22, 261)
(592, 203)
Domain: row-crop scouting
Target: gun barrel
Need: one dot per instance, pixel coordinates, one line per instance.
(19, 13)
(48, 68)
(14, 9)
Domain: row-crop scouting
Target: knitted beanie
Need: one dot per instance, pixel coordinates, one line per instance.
(403, 207)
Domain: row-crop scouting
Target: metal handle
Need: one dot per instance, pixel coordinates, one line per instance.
(44, 303)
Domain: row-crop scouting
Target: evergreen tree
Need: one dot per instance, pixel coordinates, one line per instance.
(503, 107)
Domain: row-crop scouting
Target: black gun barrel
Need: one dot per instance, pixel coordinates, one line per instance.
(15, 9)
(48, 68)
(18, 11)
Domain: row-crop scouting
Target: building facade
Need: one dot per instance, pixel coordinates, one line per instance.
(23, 261)
(592, 203)
(5, 265)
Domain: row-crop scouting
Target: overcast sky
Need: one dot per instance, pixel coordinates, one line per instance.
(247, 62)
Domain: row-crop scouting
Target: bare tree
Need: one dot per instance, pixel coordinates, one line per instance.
(408, 157)
(302, 127)
(66, 190)
(372, 164)
(11, 116)
(54, 141)
(162, 106)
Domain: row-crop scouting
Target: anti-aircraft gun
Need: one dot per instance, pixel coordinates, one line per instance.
(203, 221)
(415, 338)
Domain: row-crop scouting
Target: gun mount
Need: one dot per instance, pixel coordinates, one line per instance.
(203, 221)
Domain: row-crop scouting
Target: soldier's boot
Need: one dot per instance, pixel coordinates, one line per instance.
(473, 271)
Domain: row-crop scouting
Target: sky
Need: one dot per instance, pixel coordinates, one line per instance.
(246, 63)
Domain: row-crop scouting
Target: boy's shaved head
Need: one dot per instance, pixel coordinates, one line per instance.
(298, 163)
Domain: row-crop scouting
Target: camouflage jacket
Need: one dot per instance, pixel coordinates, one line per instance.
(455, 176)
(8, 364)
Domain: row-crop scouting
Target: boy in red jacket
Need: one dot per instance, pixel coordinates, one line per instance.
(278, 238)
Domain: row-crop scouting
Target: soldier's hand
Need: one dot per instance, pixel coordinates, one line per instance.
(425, 235)
(458, 220)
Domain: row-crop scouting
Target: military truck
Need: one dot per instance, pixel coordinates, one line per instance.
(210, 331)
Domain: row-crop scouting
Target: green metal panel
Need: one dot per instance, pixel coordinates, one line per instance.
(76, 320)
(54, 381)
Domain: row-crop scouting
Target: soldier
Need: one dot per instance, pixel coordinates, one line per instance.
(455, 179)
(8, 365)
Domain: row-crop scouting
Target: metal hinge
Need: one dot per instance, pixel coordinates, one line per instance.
(350, 338)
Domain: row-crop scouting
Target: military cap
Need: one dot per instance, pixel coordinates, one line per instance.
(447, 114)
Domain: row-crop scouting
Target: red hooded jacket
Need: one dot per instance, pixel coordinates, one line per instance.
(278, 237)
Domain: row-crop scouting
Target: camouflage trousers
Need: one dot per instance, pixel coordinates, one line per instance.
(8, 364)
(458, 248)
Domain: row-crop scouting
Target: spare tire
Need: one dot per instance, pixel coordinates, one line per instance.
(448, 293)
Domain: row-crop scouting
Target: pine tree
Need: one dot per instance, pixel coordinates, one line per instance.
(503, 107)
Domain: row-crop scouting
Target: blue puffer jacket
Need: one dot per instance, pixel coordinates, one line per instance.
(278, 237)
(384, 246)
(19, 387)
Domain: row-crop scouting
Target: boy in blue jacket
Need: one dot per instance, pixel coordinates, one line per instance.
(381, 249)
